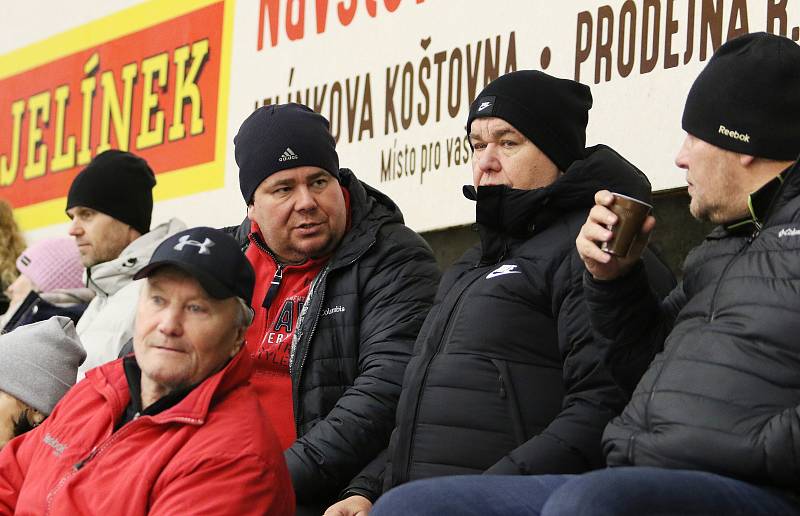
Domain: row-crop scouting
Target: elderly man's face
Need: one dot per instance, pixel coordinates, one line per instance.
(503, 156)
(182, 335)
(100, 238)
(301, 213)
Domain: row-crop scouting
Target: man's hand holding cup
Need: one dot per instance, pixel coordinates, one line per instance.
(614, 235)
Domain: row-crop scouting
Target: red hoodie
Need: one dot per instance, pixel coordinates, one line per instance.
(269, 338)
(211, 453)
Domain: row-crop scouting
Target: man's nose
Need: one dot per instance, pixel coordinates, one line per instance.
(305, 200)
(682, 158)
(170, 321)
(488, 160)
(75, 228)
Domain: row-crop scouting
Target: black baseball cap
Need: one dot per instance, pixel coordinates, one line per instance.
(210, 256)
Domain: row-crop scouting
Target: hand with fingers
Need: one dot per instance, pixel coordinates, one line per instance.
(351, 506)
(601, 265)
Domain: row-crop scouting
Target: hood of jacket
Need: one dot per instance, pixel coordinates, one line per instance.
(108, 277)
(504, 213)
(370, 209)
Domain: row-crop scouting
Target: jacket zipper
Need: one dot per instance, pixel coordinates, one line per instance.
(114, 437)
(631, 442)
(445, 337)
(80, 464)
(275, 284)
(320, 279)
(712, 310)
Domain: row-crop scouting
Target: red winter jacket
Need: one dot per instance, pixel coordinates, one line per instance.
(212, 453)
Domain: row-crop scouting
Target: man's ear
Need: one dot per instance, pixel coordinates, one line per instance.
(133, 234)
(240, 332)
(746, 159)
(250, 211)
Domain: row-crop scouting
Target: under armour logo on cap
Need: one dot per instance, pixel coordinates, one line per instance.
(224, 273)
(185, 240)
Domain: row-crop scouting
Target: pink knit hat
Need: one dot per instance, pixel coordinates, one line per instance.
(52, 263)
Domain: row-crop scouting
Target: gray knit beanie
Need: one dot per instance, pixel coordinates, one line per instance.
(39, 362)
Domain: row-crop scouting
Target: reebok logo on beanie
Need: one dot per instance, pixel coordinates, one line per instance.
(752, 83)
(734, 134)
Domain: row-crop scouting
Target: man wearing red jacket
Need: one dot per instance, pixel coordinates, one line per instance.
(174, 428)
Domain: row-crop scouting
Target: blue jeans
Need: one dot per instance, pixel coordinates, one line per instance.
(632, 491)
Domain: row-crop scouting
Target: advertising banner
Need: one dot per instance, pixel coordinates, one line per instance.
(396, 77)
(151, 80)
(172, 81)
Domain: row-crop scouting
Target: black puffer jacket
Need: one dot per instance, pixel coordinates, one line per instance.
(724, 395)
(354, 337)
(506, 376)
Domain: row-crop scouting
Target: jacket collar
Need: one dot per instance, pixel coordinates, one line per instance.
(110, 381)
(504, 214)
(763, 203)
(370, 209)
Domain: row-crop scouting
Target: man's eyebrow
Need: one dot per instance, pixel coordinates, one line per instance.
(317, 175)
(281, 182)
(504, 131)
(497, 133)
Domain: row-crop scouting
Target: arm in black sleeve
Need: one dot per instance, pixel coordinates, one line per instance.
(393, 302)
(629, 322)
(369, 482)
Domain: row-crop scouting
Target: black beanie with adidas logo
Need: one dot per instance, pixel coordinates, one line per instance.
(747, 98)
(279, 137)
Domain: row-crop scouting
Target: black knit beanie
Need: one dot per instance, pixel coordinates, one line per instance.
(552, 113)
(280, 137)
(747, 99)
(118, 184)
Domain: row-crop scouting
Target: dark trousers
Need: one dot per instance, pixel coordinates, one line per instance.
(631, 491)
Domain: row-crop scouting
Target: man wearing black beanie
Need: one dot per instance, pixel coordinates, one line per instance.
(508, 378)
(110, 203)
(342, 287)
(712, 425)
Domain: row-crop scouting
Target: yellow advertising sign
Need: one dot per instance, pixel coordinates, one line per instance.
(152, 79)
